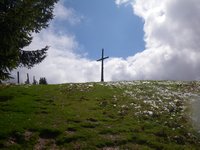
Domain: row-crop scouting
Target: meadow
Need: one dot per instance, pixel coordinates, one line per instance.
(138, 115)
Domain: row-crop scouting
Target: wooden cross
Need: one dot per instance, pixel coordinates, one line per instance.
(102, 59)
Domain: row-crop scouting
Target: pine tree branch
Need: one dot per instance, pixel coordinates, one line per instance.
(30, 58)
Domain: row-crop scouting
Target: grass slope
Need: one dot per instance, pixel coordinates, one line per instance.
(115, 115)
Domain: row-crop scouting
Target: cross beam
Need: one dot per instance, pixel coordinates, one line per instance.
(102, 69)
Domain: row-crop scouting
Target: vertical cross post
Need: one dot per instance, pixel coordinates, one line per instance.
(102, 65)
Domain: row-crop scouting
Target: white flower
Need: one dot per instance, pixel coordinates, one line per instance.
(90, 85)
(150, 113)
(123, 106)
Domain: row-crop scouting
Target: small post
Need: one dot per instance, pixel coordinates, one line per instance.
(18, 77)
(102, 64)
(27, 81)
(34, 81)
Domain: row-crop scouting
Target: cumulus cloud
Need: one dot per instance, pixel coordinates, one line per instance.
(171, 36)
(171, 53)
(67, 14)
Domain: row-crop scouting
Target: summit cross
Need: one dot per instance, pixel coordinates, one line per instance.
(102, 67)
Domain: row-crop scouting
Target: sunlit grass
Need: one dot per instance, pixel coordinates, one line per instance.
(114, 115)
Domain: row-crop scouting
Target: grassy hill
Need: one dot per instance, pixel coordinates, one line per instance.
(108, 116)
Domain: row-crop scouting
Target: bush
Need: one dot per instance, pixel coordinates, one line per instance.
(43, 81)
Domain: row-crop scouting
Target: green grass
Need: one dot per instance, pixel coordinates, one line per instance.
(118, 115)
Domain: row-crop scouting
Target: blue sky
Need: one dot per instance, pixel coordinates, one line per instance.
(105, 25)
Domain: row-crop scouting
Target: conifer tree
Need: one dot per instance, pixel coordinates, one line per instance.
(19, 19)
(43, 81)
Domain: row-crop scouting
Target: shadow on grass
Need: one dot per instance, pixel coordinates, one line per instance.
(49, 134)
(89, 125)
(63, 140)
(5, 98)
(71, 129)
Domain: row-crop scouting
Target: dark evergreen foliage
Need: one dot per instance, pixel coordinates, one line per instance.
(18, 20)
(43, 81)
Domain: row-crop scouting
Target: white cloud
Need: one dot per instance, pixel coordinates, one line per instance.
(120, 2)
(66, 14)
(171, 36)
(172, 46)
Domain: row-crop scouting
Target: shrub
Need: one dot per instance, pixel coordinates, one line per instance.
(43, 81)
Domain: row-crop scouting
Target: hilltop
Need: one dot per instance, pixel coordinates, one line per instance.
(109, 116)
